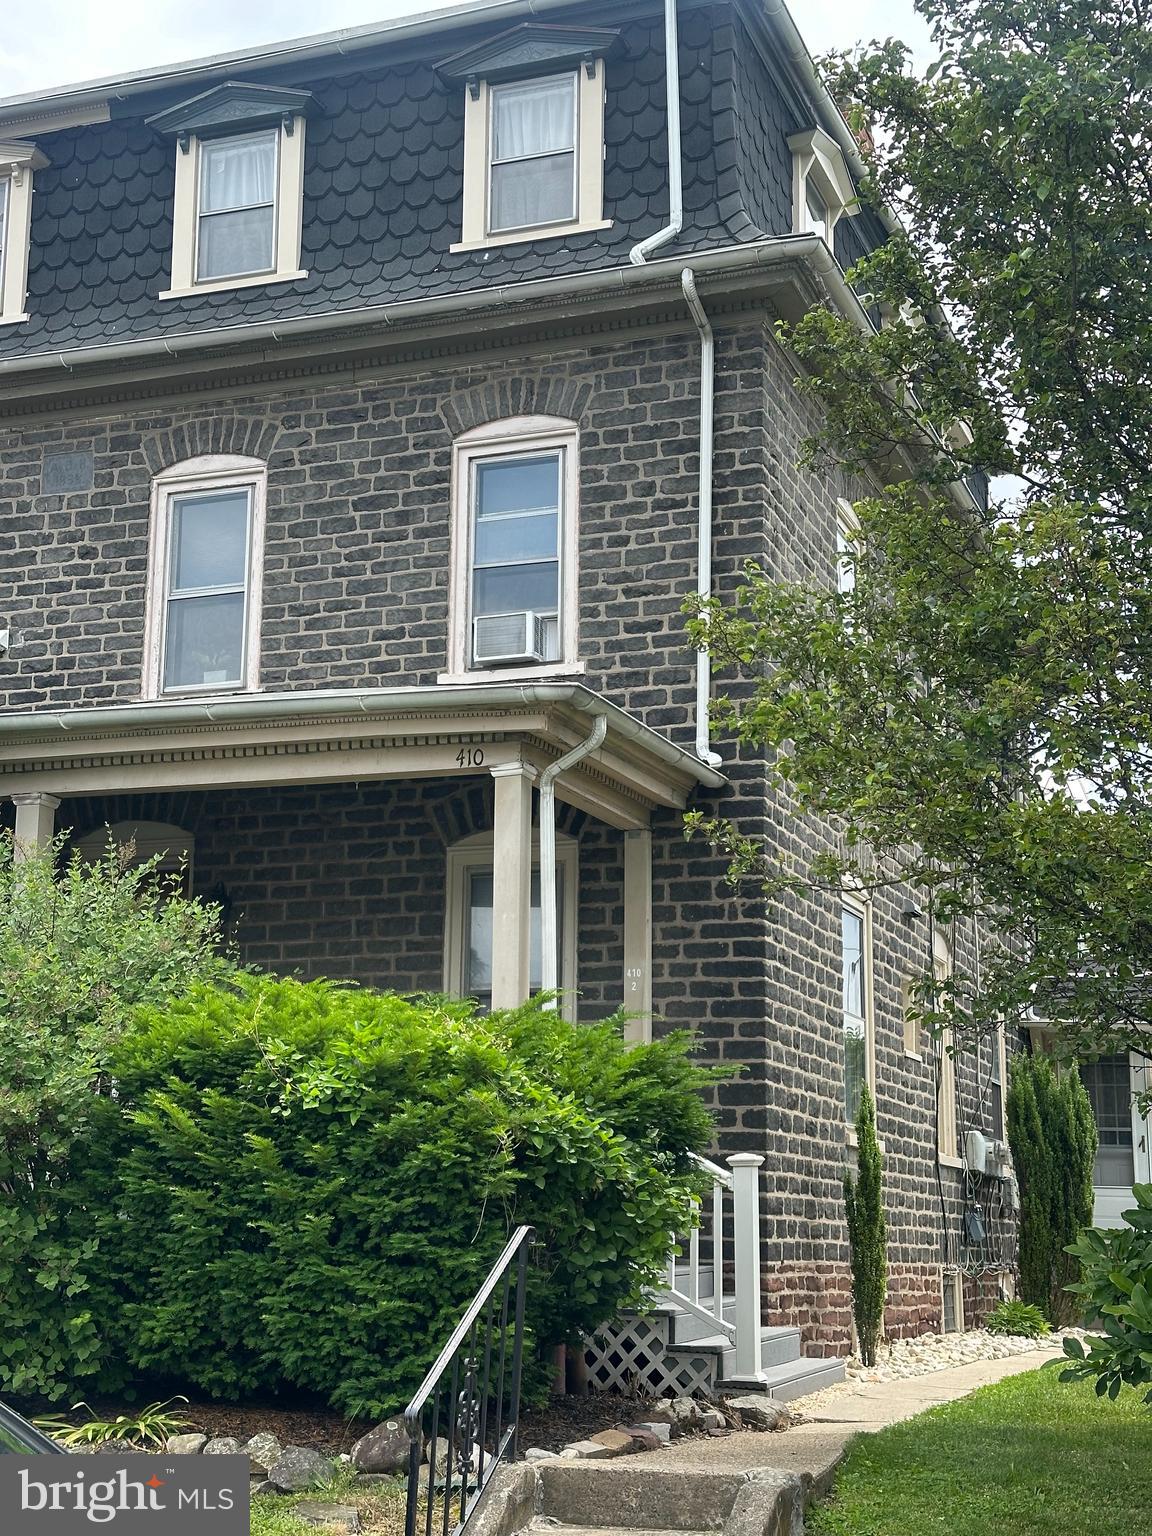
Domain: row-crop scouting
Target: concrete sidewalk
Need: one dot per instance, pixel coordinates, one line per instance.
(815, 1446)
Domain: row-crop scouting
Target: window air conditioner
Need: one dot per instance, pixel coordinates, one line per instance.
(503, 638)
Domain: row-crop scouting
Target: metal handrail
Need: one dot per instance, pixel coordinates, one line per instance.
(476, 1389)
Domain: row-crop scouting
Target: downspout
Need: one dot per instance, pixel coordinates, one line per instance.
(704, 509)
(549, 967)
(640, 253)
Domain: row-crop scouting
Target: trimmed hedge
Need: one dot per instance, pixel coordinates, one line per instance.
(301, 1185)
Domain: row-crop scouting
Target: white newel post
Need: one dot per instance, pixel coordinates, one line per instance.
(35, 822)
(745, 1168)
(511, 884)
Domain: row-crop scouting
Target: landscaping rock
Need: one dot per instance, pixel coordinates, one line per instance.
(644, 1439)
(758, 1411)
(440, 1447)
(337, 1516)
(594, 1449)
(120, 1448)
(262, 1451)
(298, 1468)
(712, 1418)
(226, 1445)
(537, 1453)
(185, 1445)
(262, 1485)
(685, 1412)
(658, 1427)
(616, 1441)
(386, 1448)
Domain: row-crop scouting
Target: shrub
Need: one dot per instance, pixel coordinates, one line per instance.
(1116, 1294)
(80, 948)
(1018, 1318)
(867, 1235)
(1052, 1134)
(303, 1184)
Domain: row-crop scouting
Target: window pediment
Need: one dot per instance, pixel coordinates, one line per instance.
(530, 49)
(230, 108)
(17, 156)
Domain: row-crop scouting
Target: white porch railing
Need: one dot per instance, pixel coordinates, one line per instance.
(736, 1188)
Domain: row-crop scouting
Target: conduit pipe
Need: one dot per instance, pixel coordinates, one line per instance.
(640, 253)
(549, 966)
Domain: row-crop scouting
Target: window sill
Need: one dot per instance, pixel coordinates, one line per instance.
(514, 674)
(949, 1162)
(852, 1140)
(226, 284)
(14, 319)
(914, 1056)
(522, 236)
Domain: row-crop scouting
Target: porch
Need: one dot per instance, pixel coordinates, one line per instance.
(389, 837)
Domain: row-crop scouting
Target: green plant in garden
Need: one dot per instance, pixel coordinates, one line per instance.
(149, 1426)
(975, 712)
(1052, 1133)
(1115, 1291)
(80, 947)
(1018, 1318)
(867, 1233)
(302, 1184)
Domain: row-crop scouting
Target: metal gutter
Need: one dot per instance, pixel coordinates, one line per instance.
(640, 252)
(725, 259)
(263, 709)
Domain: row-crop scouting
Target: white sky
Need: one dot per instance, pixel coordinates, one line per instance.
(73, 40)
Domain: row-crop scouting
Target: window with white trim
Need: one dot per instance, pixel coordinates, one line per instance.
(205, 577)
(533, 133)
(514, 547)
(856, 997)
(18, 162)
(468, 918)
(947, 1146)
(822, 190)
(239, 187)
(847, 533)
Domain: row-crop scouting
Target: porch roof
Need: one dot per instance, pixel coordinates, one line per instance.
(343, 735)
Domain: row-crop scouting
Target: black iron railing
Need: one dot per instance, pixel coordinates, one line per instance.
(464, 1420)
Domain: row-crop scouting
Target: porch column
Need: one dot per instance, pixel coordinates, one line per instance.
(35, 822)
(638, 932)
(511, 883)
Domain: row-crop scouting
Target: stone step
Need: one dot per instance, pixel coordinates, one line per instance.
(626, 1496)
(542, 1525)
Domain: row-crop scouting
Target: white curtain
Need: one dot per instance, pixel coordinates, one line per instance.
(238, 173)
(532, 119)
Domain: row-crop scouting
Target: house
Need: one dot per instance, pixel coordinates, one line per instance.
(1116, 1085)
(370, 405)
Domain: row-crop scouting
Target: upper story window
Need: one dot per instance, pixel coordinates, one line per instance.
(237, 207)
(514, 548)
(205, 577)
(533, 133)
(947, 1145)
(856, 997)
(18, 161)
(847, 535)
(822, 190)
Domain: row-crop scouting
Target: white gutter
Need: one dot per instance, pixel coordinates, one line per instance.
(640, 253)
(749, 255)
(704, 506)
(549, 960)
(257, 709)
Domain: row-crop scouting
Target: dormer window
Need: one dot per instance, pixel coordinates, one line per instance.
(236, 219)
(18, 161)
(822, 190)
(533, 134)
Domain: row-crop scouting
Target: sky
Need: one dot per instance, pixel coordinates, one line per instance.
(74, 40)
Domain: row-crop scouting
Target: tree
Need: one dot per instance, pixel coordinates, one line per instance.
(80, 948)
(867, 1233)
(1053, 1138)
(977, 712)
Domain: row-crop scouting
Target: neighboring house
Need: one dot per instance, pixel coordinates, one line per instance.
(358, 460)
(1115, 1086)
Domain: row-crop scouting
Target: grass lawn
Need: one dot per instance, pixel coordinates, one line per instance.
(381, 1508)
(1031, 1456)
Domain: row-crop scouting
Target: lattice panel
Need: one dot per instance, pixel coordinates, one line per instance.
(632, 1356)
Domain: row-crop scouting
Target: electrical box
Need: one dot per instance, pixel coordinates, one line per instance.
(976, 1152)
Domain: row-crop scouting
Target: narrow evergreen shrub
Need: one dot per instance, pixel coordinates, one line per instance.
(1052, 1134)
(80, 948)
(302, 1185)
(867, 1232)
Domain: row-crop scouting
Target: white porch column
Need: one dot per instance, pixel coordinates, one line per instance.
(35, 822)
(511, 883)
(638, 932)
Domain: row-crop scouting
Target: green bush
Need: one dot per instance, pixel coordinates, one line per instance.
(1116, 1294)
(867, 1233)
(1018, 1318)
(302, 1185)
(1052, 1134)
(80, 948)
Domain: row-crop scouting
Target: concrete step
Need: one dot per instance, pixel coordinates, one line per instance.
(626, 1496)
(795, 1379)
(778, 1346)
(543, 1525)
